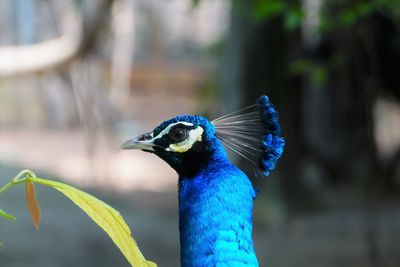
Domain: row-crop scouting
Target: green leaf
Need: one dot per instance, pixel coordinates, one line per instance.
(195, 3)
(300, 66)
(6, 215)
(106, 217)
(266, 9)
(293, 18)
(348, 17)
(364, 9)
(319, 75)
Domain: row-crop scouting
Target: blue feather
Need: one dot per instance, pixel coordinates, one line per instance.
(269, 115)
(272, 143)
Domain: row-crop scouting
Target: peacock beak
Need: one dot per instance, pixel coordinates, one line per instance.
(144, 142)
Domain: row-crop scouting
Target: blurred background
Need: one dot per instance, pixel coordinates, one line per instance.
(78, 77)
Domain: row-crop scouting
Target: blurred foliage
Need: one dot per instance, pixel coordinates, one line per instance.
(333, 15)
(195, 3)
(350, 11)
(317, 72)
(293, 13)
(266, 9)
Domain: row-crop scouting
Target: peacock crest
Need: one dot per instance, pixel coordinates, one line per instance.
(253, 133)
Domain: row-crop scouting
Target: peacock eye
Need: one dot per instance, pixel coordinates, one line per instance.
(178, 134)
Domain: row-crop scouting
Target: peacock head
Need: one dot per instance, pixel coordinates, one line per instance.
(187, 142)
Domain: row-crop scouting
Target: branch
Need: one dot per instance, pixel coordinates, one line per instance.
(77, 39)
(17, 60)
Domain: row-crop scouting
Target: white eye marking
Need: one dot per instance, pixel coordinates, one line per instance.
(166, 130)
(185, 145)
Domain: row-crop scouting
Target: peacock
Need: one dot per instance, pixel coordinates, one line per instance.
(215, 197)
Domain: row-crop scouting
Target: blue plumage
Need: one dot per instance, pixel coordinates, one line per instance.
(215, 217)
(215, 197)
(272, 150)
(272, 142)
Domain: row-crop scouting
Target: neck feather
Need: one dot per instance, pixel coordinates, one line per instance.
(215, 217)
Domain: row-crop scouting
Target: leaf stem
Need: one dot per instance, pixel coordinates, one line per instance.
(6, 187)
(20, 178)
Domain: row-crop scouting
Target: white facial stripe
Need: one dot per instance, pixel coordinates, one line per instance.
(185, 145)
(166, 130)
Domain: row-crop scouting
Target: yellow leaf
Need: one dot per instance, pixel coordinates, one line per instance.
(104, 216)
(150, 264)
(33, 204)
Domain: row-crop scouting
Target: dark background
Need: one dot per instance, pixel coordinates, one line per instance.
(79, 77)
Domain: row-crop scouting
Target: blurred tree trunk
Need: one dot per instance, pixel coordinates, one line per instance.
(355, 82)
(360, 59)
(256, 62)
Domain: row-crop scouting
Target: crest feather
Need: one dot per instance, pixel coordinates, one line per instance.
(253, 133)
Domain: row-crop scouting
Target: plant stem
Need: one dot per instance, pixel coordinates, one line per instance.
(28, 173)
(7, 186)
(18, 179)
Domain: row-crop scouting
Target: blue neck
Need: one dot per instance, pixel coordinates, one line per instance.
(215, 217)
